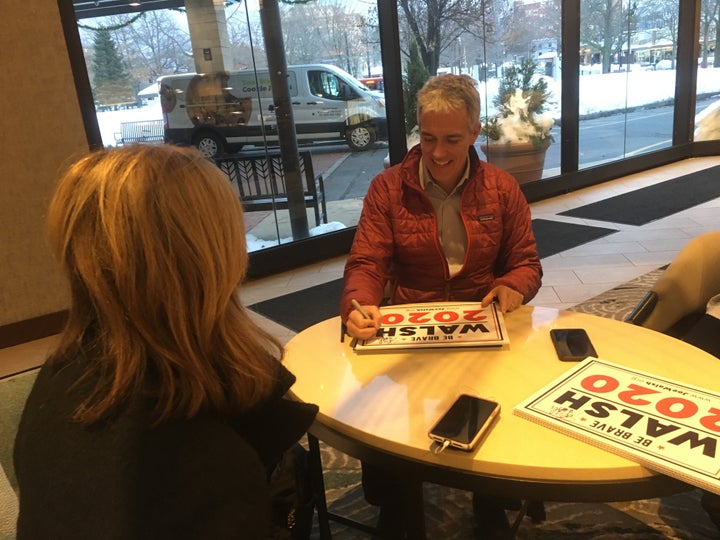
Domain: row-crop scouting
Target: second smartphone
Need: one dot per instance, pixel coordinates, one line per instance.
(572, 344)
(465, 422)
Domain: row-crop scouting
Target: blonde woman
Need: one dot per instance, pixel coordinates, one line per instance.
(161, 413)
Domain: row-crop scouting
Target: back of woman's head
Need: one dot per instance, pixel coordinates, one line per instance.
(152, 239)
(146, 228)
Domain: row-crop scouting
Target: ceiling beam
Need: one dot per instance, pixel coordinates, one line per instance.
(86, 9)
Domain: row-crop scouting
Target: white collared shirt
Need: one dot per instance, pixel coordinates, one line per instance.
(451, 229)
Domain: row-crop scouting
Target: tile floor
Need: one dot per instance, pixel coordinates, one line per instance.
(570, 277)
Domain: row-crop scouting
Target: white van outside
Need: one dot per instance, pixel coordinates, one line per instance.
(215, 110)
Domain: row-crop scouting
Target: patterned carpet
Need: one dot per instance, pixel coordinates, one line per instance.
(448, 512)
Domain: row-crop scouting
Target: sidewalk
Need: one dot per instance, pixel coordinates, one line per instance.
(265, 226)
(342, 185)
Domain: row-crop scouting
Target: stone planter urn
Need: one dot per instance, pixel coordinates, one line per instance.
(525, 161)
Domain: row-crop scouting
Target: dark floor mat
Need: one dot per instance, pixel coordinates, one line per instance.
(302, 309)
(654, 202)
(555, 236)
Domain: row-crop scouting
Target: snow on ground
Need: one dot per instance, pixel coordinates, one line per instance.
(109, 121)
(620, 90)
(254, 243)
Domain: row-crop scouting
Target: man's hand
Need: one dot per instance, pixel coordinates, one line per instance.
(360, 327)
(508, 299)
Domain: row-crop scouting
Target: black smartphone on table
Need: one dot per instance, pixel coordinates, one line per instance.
(572, 344)
(465, 422)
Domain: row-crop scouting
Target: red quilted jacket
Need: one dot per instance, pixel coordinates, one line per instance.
(397, 242)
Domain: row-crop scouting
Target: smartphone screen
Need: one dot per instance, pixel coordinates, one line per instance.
(572, 344)
(465, 421)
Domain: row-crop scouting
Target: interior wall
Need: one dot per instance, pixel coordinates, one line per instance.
(42, 131)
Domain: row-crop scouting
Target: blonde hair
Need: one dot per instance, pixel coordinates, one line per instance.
(153, 242)
(448, 92)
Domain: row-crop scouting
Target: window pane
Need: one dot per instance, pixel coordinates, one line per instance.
(707, 121)
(229, 110)
(627, 78)
(519, 35)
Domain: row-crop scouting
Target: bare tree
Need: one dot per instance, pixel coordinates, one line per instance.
(305, 35)
(155, 45)
(708, 21)
(521, 28)
(245, 38)
(371, 40)
(436, 25)
(325, 31)
(602, 28)
(665, 15)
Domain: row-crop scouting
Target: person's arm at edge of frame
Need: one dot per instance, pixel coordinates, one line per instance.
(367, 267)
(518, 265)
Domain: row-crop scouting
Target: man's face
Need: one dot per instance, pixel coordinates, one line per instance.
(444, 141)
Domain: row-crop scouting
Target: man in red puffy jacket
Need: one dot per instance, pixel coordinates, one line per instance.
(440, 226)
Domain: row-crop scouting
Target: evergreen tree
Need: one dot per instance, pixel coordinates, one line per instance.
(111, 81)
(416, 74)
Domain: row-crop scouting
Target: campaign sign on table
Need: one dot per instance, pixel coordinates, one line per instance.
(665, 425)
(460, 324)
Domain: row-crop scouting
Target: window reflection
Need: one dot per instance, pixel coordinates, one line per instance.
(229, 113)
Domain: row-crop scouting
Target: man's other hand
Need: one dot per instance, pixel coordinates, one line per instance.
(508, 299)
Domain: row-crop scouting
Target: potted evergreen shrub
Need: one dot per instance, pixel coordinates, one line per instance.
(518, 136)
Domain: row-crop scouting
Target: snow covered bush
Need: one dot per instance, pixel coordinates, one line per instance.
(521, 100)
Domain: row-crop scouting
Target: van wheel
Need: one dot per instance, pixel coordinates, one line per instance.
(360, 137)
(210, 144)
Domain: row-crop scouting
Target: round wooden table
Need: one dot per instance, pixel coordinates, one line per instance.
(379, 406)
